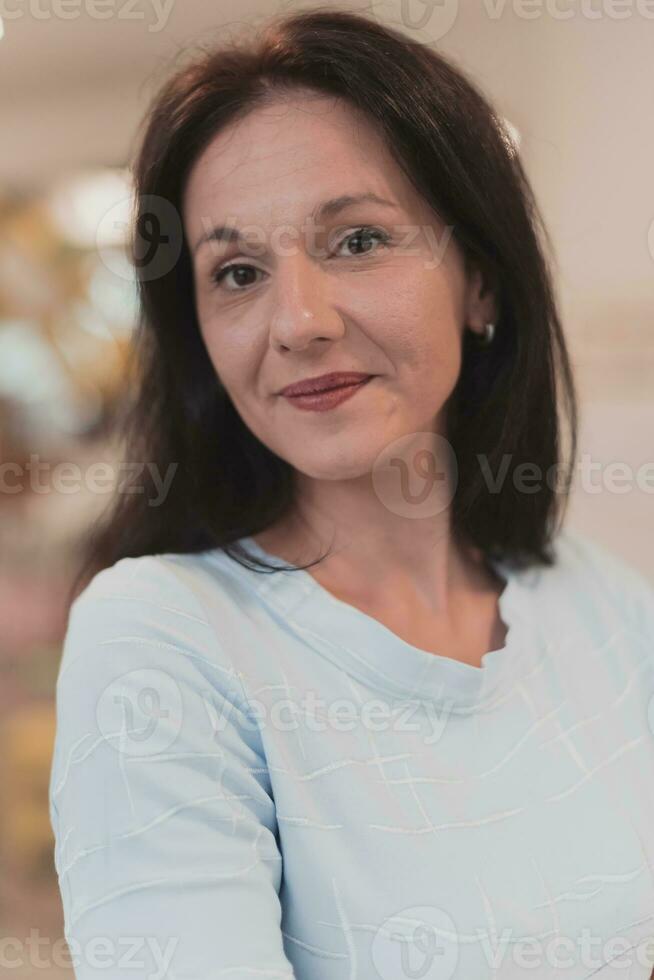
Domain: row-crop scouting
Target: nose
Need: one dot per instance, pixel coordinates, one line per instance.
(302, 312)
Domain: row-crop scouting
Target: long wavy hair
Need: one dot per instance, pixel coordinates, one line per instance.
(511, 399)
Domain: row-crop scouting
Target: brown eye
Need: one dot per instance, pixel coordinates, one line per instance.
(364, 237)
(238, 269)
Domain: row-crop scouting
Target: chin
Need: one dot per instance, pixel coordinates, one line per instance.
(339, 465)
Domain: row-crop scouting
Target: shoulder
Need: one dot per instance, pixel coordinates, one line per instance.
(595, 572)
(157, 577)
(152, 611)
(583, 556)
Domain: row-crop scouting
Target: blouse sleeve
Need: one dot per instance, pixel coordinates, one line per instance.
(166, 842)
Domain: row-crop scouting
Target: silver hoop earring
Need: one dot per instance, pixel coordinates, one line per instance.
(489, 333)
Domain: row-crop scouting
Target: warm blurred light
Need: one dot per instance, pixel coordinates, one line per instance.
(2, 29)
(27, 286)
(79, 206)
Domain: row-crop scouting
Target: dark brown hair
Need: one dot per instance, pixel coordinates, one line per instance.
(510, 399)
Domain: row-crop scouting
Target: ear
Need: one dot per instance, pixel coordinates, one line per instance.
(481, 306)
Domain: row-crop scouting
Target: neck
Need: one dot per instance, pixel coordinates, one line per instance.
(376, 554)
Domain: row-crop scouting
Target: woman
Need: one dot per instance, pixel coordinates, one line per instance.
(348, 702)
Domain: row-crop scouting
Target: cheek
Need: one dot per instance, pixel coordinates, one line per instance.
(237, 366)
(421, 332)
(222, 356)
(422, 338)
(229, 345)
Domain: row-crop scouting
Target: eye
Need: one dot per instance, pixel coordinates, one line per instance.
(220, 274)
(365, 235)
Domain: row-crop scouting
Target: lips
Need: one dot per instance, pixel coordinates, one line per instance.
(324, 382)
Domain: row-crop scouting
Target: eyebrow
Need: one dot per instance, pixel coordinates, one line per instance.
(328, 209)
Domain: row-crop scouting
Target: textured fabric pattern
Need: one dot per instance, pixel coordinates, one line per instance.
(255, 779)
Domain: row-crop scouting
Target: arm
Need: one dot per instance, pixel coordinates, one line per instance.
(160, 801)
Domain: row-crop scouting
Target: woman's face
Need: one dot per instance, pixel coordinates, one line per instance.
(304, 298)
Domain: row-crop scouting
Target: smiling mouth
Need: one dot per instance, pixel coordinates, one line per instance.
(325, 382)
(328, 398)
(323, 391)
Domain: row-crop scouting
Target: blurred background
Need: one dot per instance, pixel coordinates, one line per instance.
(575, 80)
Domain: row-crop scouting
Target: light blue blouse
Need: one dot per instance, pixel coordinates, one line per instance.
(254, 779)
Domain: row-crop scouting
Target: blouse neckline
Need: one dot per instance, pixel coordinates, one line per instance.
(373, 653)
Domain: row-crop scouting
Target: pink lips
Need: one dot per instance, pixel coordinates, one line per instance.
(324, 381)
(325, 392)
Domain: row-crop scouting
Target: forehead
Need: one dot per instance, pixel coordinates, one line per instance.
(282, 159)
